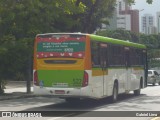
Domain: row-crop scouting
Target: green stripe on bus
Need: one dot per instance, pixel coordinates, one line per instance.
(116, 41)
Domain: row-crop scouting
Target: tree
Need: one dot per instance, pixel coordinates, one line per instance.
(93, 17)
(149, 1)
(151, 41)
(20, 21)
(23, 18)
(133, 1)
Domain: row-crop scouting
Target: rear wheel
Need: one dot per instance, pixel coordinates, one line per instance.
(115, 92)
(137, 92)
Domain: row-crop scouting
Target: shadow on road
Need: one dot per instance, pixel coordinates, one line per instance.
(58, 107)
(87, 105)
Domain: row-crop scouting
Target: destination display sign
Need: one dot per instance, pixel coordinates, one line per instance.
(61, 47)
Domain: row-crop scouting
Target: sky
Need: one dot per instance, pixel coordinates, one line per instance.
(148, 8)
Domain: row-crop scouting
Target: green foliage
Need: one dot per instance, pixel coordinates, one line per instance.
(149, 1)
(151, 41)
(154, 63)
(29, 17)
(133, 1)
(96, 13)
(20, 21)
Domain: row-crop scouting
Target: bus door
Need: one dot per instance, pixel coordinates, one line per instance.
(103, 64)
(127, 69)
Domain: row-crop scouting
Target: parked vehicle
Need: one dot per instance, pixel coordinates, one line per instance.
(153, 77)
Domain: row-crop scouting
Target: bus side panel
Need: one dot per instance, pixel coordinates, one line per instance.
(137, 74)
(119, 74)
(97, 82)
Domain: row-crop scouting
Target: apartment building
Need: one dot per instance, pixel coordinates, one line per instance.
(148, 26)
(124, 17)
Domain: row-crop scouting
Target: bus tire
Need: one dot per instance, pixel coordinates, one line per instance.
(138, 91)
(114, 96)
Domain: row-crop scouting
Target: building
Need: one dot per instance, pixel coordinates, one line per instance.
(148, 26)
(124, 22)
(133, 20)
(124, 18)
(158, 22)
(122, 5)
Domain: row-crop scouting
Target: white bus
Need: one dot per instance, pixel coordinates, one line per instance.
(73, 66)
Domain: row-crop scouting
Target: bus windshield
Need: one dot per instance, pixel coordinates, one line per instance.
(60, 46)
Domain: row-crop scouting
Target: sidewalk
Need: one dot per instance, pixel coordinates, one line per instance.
(17, 90)
(15, 93)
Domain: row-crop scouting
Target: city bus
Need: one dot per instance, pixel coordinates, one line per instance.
(74, 66)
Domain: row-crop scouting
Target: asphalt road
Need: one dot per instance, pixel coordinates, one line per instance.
(149, 100)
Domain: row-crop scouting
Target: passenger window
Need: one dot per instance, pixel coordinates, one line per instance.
(95, 53)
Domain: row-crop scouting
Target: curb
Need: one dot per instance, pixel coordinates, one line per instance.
(9, 96)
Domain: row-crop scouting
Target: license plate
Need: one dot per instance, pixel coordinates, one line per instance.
(59, 92)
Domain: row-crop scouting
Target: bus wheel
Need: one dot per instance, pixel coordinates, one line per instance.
(137, 92)
(115, 92)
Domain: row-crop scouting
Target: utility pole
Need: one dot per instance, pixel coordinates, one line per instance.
(28, 82)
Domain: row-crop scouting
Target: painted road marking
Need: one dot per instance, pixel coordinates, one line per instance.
(55, 118)
(156, 118)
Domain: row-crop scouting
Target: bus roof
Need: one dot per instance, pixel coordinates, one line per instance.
(116, 41)
(104, 39)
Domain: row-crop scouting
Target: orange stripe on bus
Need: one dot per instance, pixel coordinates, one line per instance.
(88, 53)
(99, 72)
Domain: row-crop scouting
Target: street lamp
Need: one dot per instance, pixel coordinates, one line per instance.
(158, 24)
(158, 29)
(141, 10)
